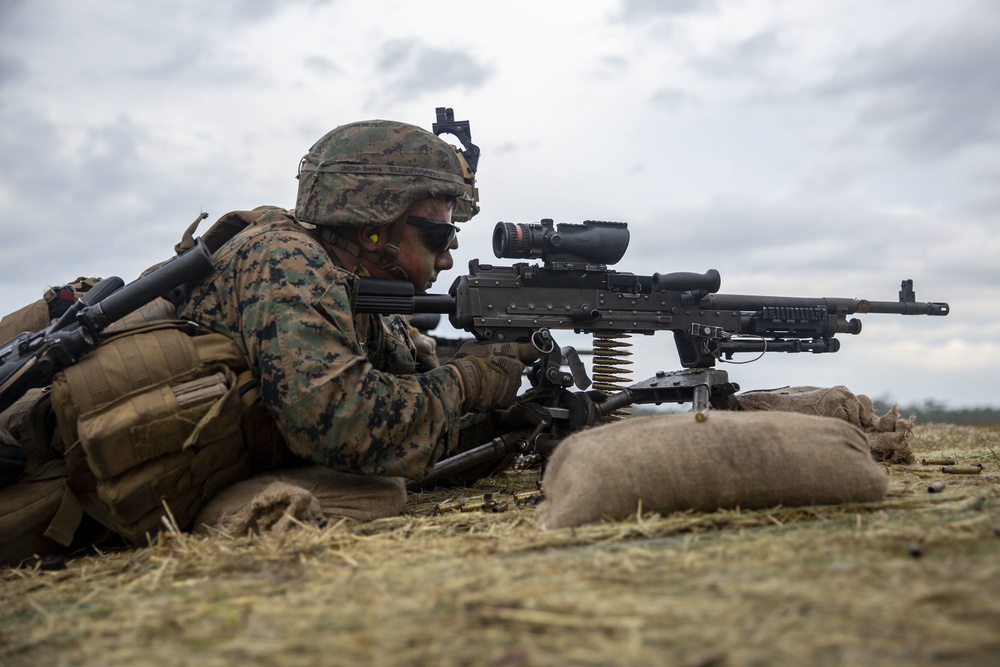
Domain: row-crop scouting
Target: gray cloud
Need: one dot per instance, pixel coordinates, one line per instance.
(109, 159)
(802, 242)
(751, 56)
(505, 147)
(322, 65)
(929, 97)
(33, 161)
(254, 11)
(611, 67)
(96, 205)
(239, 12)
(29, 162)
(411, 69)
(985, 200)
(187, 64)
(11, 69)
(669, 99)
(638, 11)
(119, 121)
(9, 8)
(615, 63)
(97, 183)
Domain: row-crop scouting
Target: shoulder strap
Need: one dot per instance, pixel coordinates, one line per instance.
(225, 228)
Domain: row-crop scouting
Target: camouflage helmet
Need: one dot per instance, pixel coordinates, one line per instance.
(368, 173)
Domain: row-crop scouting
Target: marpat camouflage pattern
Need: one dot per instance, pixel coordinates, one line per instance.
(342, 389)
(368, 173)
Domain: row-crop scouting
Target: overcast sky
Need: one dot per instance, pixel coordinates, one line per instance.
(805, 148)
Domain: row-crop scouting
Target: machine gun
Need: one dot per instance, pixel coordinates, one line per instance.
(573, 289)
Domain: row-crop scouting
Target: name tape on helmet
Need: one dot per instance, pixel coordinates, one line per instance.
(377, 169)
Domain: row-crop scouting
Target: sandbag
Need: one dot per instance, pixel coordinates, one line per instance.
(275, 500)
(888, 435)
(668, 463)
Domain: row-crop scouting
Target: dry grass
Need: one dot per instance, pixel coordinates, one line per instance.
(914, 579)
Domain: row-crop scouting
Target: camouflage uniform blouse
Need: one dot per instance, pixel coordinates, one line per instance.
(342, 388)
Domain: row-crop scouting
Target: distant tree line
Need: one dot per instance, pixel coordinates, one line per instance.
(931, 410)
(926, 411)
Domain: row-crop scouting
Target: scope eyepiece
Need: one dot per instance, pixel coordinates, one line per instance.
(593, 242)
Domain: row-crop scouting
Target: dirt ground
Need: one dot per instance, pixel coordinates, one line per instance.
(911, 580)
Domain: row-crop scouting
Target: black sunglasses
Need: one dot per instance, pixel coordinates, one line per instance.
(439, 236)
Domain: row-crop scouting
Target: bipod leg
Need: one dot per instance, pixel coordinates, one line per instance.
(494, 451)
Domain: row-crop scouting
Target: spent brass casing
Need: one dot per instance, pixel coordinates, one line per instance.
(488, 502)
(938, 461)
(973, 469)
(922, 468)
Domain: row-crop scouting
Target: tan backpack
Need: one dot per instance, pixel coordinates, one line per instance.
(152, 419)
(38, 315)
(157, 419)
(39, 515)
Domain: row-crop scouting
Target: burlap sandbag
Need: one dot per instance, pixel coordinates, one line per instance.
(276, 500)
(889, 435)
(672, 462)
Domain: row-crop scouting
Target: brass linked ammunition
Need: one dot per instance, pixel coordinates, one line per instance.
(489, 502)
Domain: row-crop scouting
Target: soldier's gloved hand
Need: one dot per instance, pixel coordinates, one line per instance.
(491, 373)
(426, 350)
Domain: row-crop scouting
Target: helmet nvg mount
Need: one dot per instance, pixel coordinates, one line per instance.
(369, 173)
(468, 156)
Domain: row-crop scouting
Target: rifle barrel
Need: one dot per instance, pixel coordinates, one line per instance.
(194, 264)
(830, 304)
(903, 307)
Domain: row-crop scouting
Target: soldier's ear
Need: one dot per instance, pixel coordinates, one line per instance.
(373, 238)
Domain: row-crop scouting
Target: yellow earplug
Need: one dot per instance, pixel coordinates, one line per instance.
(374, 238)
